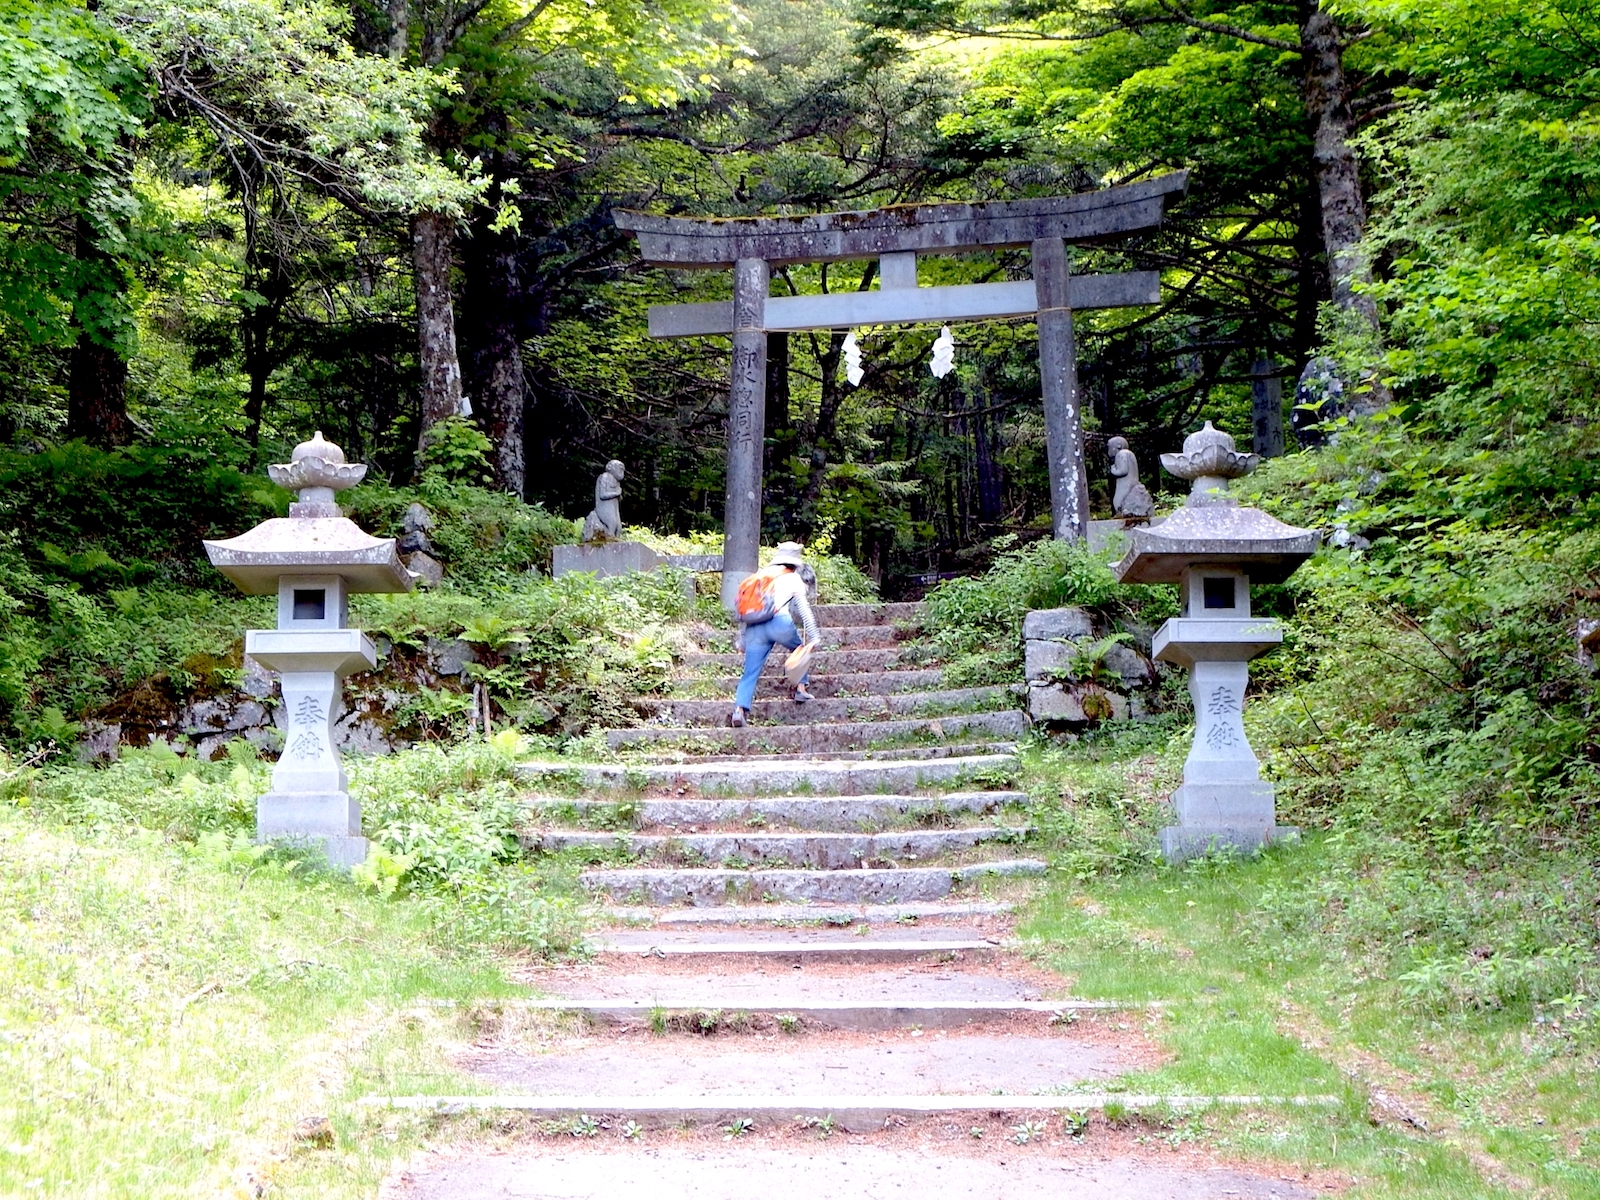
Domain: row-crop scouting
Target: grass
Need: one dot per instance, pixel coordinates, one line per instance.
(1296, 972)
(168, 1011)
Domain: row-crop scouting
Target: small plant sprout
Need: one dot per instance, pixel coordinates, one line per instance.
(976, 1132)
(583, 1125)
(788, 1022)
(823, 1125)
(1028, 1131)
(658, 1021)
(1075, 1125)
(737, 1129)
(632, 1130)
(1063, 1016)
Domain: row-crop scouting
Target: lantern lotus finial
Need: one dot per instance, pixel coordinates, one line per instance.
(1210, 460)
(316, 470)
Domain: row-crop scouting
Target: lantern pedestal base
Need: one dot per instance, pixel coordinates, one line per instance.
(1180, 843)
(329, 822)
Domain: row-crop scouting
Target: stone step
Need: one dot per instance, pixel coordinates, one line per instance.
(859, 1015)
(822, 685)
(796, 947)
(821, 851)
(719, 885)
(904, 753)
(732, 778)
(856, 813)
(897, 1064)
(833, 637)
(901, 1164)
(726, 916)
(823, 738)
(823, 662)
(866, 614)
(871, 1113)
(784, 711)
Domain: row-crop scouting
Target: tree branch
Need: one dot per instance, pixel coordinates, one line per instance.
(1233, 31)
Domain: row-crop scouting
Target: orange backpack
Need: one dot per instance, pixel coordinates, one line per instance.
(758, 601)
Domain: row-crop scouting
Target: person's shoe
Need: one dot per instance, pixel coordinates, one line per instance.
(737, 718)
(801, 696)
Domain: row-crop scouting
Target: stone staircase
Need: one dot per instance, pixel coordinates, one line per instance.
(806, 928)
(887, 789)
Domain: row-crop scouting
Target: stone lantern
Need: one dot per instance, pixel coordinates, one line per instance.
(1213, 548)
(313, 560)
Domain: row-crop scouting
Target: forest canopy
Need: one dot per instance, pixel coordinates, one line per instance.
(224, 226)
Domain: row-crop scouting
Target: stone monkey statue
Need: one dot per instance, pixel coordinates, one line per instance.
(1130, 499)
(604, 524)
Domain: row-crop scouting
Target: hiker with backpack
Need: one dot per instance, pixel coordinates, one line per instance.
(773, 609)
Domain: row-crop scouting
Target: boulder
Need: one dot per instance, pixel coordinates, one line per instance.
(1057, 624)
(99, 742)
(1043, 660)
(258, 681)
(429, 568)
(1052, 702)
(1131, 667)
(450, 656)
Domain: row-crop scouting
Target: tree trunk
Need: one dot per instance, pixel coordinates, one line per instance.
(491, 304)
(983, 431)
(432, 235)
(97, 385)
(268, 277)
(832, 396)
(1344, 214)
(399, 29)
(778, 476)
(97, 395)
(1311, 278)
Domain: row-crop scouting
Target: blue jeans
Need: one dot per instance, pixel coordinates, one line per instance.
(758, 643)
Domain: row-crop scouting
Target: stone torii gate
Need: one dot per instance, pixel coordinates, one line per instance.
(895, 236)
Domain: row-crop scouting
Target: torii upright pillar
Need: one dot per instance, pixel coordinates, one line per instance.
(1058, 384)
(747, 419)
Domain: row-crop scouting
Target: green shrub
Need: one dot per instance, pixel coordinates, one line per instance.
(977, 622)
(446, 822)
(105, 519)
(480, 535)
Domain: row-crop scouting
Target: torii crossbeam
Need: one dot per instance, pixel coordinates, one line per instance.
(896, 236)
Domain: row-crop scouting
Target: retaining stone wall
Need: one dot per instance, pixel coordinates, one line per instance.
(1055, 644)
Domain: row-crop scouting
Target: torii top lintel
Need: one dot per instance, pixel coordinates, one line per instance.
(902, 228)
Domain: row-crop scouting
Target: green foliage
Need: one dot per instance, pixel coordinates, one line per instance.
(455, 451)
(156, 789)
(382, 871)
(482, 536)
(179, 980)
(136, 515)
(978, 621)
(72, 94)
(64, 652)
(284, 81)
(446, 825)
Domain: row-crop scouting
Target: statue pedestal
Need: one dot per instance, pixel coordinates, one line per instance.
(1110, 532)
(604, 558)
(308, 804)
